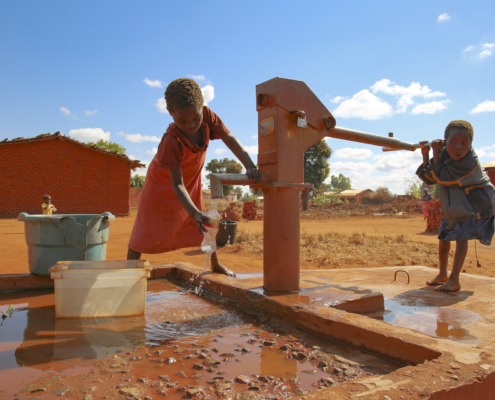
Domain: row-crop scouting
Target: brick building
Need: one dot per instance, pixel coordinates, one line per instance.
(489, 168)
(81, 179)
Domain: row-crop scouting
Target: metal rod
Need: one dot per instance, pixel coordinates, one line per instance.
(370, 138)
(218, 180)
(401, 270)
(416, 146)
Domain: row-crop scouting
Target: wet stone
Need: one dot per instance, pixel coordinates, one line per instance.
(143, 380)
(165, 378)
(158, 352)
(190, 356)
(210, 361)
(198, 366)
(127, 378)
(295, 380)
(269, 343)
(147, 355)
(38, 390)
(220, 373)
(227, 355)
(215, 349)
(285, 347)
(193, 392)
(181, 373)
(197, 376)
(210, 369)
(170, 360)
(227, 359)
(156, 384)
(245, 350)
(60, 391)
(242, 379)
(114, 371)
(181, 389)
(252, 341)
(310, 371)
(158, 360)
(322, 364)
(172, 385)
(132, 392)
(299, 392)
(301, 356)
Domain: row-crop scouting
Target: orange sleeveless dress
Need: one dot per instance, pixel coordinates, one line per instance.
(162, 224)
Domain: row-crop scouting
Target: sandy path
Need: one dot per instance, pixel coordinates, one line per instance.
(14, 259)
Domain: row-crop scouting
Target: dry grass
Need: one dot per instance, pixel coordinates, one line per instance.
(333, 249)
(399, 209)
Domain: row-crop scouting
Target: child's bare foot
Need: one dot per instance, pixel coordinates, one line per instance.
(438, 280)
(449, 286)
(221, 269)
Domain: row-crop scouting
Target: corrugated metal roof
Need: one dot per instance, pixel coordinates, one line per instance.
(490, 164)
(58, 136)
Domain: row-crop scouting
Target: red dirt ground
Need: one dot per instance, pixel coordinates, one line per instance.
(14, 259)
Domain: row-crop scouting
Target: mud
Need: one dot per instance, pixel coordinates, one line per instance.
(184, 345)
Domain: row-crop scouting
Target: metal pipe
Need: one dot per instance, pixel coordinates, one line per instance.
(218, 180)
(416, 146)
(370, 138)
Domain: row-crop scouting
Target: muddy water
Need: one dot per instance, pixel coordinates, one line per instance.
(183, 344)
(442, 322)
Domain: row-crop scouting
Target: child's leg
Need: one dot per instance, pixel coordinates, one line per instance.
(453, 283)
(217, 267)
(133, 255)
(443, 262)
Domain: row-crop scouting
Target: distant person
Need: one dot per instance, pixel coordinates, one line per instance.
(171, 208)
(426, 202)
(468, 198)
(47, 206)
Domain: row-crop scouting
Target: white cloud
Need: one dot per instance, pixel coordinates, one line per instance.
(138, 138)
(486, 50)
(430, 108)
(142, 171)
(337, 99)
(156, 83)
(364, 104)
(66, 112)
(153, 151)
(405, 94)
(208, 93)
(89, 134)
(443, 17)
(486, 106)
(199, 78)
(220, 151)
(161, 105)
(89, 113)
(251, 149)
(487, 151)
(386, 169)
(469, 48)
(349, 153)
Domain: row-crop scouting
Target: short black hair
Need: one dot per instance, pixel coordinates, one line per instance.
(183, 92)
(47, 195)
(459, 124)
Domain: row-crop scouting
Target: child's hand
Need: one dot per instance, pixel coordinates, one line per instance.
(201, 219)
(437, 145)
(253, 174)
(425, 150)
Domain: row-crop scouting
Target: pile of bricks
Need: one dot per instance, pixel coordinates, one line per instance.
(250, 211)
(231, 213)
(434, 216)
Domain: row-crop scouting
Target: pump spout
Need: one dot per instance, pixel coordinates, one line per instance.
(218, 180)
(390, 143)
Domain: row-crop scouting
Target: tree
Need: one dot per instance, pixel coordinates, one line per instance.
(110, 146)
(415, 187)
(316, 167)
(340, 182)
(137, 181)
(224, 166)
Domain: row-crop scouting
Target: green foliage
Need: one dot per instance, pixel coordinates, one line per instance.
(316, 167)
(326, 199)
(436, 191)
(137, 181)
(110, 146)
(340, 182)
(224, 166)
(414, 187)
(7, 313)
(238, 190)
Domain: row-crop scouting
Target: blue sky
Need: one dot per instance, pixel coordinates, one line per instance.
(97, 69)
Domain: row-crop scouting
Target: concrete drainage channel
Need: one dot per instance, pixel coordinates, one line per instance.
(326, 305)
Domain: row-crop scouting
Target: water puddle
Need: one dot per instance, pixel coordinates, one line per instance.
(182, 346)
(442, 322)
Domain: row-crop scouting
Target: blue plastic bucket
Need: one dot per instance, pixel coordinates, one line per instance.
(65, 237)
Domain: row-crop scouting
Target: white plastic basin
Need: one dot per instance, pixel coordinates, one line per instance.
(100, 288)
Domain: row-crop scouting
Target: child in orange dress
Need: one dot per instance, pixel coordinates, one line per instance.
(171, 208)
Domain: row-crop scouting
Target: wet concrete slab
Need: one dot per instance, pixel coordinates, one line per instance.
(448, 339)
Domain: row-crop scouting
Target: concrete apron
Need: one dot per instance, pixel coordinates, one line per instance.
(326, 305)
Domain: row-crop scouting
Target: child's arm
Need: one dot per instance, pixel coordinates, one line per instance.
(242, 155)
(185, 200)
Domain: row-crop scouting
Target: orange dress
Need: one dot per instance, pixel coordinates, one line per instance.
(162, 224)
